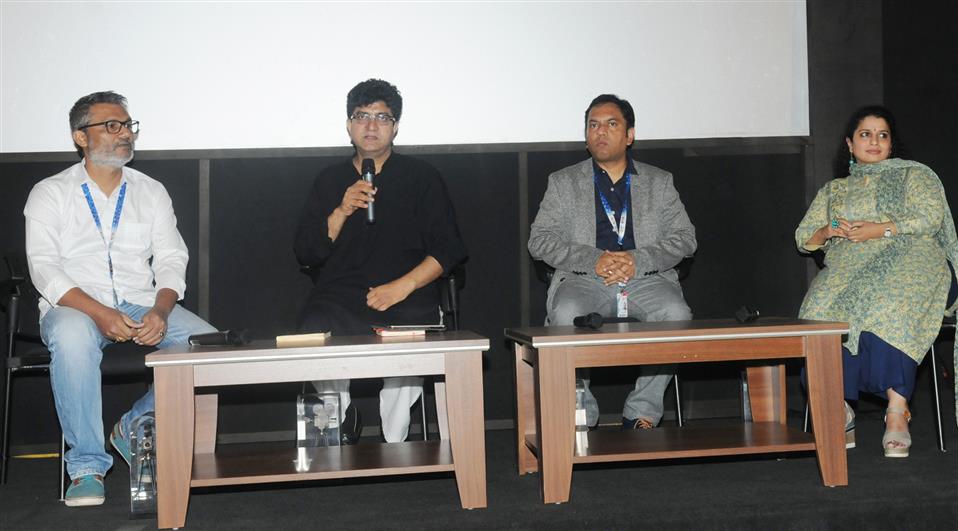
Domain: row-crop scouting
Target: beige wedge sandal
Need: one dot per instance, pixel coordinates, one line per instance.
(892, 439)
(849, 426)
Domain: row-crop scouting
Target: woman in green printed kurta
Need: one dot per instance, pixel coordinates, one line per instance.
(888, 235)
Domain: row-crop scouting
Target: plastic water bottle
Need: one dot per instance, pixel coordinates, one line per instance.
(581, 424)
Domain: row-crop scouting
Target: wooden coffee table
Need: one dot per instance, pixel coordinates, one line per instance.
(546, 359)
(186, 421)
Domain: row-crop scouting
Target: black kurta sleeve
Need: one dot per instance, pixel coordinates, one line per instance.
(312, 244)
(437, 224)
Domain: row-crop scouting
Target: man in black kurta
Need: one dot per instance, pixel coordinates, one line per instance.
(381, 273)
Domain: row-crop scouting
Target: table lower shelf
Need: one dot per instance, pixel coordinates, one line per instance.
(239, 464)
(689, 441)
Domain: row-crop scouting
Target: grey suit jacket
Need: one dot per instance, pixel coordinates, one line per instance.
(563, 233)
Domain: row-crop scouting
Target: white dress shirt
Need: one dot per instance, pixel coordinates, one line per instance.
(64, 250)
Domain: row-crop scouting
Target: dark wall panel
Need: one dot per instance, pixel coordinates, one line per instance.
(254, 207)
(745, 210)
(17, 180)
(921, 80)
(844, 72)
(255, 280)
(485, 193)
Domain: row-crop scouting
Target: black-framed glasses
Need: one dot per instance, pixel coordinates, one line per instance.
(114, 126)
(382, 118)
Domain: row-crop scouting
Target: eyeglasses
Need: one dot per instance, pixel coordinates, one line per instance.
(114, 126)
(364, 118)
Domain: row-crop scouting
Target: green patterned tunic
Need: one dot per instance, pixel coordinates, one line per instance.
(893, 287)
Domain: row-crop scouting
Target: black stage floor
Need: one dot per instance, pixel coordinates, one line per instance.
(751, 492)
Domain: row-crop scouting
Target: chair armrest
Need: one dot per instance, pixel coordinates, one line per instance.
(35, 361)
(684, 267)
(311, 272)
(544, 271)
(449, 286)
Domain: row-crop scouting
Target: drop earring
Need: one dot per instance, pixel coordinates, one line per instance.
(851, 161)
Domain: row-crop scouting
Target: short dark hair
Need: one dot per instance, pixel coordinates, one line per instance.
(898, 149)
(371, 91)
(80, 112)
(623, 106)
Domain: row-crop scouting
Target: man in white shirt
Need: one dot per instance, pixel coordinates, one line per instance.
(91, 231)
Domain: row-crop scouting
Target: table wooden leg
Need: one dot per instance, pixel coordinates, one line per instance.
(525, 412)
(173, 387)
(766, 393)
(823, 360)
(466, 426)
(555, 422)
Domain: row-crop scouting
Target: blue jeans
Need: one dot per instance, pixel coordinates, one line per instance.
(76, 348)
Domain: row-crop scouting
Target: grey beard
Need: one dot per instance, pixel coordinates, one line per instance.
(111, 160)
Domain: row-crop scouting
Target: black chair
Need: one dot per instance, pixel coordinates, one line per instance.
(946, 333)
(125, 360)
(450, 284)
(13, 290)
(545, 272)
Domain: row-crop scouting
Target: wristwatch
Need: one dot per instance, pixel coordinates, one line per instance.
(888, 232)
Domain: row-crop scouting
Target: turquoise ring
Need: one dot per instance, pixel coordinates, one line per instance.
(834, 223)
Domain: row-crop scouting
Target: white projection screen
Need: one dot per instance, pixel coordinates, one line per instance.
(228, 75)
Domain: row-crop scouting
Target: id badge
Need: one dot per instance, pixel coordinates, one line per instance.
(622, 303)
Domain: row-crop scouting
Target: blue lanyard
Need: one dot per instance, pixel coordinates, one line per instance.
(617, 228)
(99, 230)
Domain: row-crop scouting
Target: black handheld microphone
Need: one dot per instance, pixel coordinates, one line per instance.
(592, 320)
(746, 315)
(225, 338)
(369, 170)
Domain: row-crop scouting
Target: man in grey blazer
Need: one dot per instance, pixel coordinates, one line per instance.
(614, 229)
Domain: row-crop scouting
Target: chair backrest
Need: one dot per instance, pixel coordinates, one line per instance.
(16, 296)
(8, 288)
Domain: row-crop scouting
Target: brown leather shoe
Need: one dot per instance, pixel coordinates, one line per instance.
(637, 424)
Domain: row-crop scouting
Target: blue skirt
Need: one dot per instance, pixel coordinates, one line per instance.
(877, 368)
